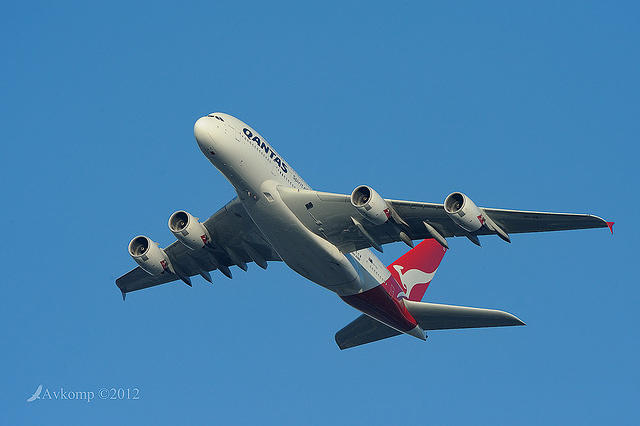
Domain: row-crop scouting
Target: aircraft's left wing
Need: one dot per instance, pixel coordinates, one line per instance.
(236, 241)
(333, 217)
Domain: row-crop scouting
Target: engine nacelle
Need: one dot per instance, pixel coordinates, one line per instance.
(370, 205)
(188, 230)
(464, 212)
(149, 256)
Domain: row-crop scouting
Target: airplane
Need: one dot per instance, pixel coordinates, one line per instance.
(327, 238)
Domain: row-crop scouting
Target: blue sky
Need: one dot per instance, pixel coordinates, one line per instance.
(527, 106)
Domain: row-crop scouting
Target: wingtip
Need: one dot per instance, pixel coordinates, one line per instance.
(512, 319)
(340, 342)
(610, 225)
(517, 321)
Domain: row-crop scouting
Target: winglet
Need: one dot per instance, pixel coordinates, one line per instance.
(124, 295)
(610, 225)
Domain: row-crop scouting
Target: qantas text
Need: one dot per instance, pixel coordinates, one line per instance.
(266, 148)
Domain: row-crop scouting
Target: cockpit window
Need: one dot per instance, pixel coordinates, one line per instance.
(215, 116)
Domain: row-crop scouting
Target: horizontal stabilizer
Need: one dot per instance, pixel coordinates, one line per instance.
(430, 316)
(433, 316)
(363, 329)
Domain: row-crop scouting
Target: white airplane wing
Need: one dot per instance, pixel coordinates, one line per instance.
(236, 241)
(332, 217)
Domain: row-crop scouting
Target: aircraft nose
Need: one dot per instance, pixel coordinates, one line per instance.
(201, 132)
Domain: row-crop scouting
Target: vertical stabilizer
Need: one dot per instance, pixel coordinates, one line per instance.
(416, 268)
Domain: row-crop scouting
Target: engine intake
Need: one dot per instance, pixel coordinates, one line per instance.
(464, 212)
(188, 230)
(149, 256)
(370, 205)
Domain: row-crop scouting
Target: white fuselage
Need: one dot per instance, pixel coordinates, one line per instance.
(256, 171)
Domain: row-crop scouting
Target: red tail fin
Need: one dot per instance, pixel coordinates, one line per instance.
(416, 268)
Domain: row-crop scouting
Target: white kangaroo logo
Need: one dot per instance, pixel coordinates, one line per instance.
(413, 277)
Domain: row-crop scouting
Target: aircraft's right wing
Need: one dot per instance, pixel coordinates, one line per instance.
(430, 316)
(236, 241)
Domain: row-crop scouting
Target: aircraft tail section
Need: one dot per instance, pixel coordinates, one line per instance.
(413, 272)
(430, 316)
(362, 330)
(416, 268)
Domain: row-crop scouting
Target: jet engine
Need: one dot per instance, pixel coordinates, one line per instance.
(149, 256)
(370, 205)
(188, 230)
(464, 212)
